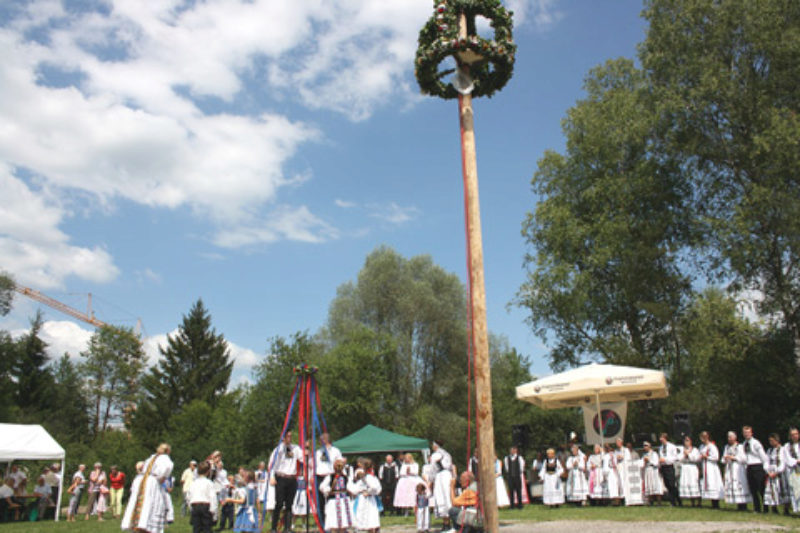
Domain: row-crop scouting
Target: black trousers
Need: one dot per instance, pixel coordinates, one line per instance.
(321, 500)
(226, 515)
(387, 497)
(285, 489)
(201, 518)
(668, 474)
(515, 487)
(755, 480)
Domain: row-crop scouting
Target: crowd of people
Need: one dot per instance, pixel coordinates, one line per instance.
(18, 502)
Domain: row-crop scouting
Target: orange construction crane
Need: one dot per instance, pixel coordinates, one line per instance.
(64, 308)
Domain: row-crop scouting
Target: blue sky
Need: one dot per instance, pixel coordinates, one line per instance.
(253, 153)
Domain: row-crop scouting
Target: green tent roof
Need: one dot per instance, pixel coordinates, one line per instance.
(371, 439)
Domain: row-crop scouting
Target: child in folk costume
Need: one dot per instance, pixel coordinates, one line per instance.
(300, 503)
(405, 493)
(791, 475)
(502, 493)
(653, 485)
(553, 491)
(711, 487)
(338, 510)
(773, 493)
(689, 484)
(246, 497)
(577, 485)
(735, 479)
(261, 486)
(613, 485)
(365, 489)
(422, 509)
(596, 478)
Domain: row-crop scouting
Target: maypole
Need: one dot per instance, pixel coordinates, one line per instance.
(483, 67)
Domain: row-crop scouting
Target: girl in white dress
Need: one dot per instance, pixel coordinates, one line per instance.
(502, 493)
(689, 484)
(613, 487)
(550, 474)
(596, 479)
(338, 509)
(653, 484)
(577, 485)
(773, 493)
(365, 489)
(735, 480)
(711, 487)
(405, 494)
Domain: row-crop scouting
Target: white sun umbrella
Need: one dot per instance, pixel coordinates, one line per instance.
(594, 383)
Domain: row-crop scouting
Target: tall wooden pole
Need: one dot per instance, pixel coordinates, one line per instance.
(480, 336)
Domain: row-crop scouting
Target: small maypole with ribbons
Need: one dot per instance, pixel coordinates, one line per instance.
(483, 67)
(310, 424)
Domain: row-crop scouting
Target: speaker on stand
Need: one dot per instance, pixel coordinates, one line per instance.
(681, 426)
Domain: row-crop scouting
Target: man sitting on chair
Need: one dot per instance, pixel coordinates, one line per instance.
(467, 498)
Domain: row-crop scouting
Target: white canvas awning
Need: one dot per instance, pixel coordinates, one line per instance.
(23, 442)
(592, 384)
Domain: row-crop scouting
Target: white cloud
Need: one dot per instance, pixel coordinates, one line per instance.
(344, 204)
(63, 337)
(543, 13)
(393, 213)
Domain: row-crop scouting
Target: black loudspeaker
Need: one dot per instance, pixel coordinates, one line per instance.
(640, 438)
(681, 426)
(520, 436)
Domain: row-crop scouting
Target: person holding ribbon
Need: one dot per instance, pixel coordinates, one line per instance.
(283, 476)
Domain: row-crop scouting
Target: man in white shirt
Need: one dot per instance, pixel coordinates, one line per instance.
(187, 478)
(667, 457)
(203, 500)
(756, 475)
(7, 501)
(20, 480)
(326, 456)
(514, 465)
(284, 477)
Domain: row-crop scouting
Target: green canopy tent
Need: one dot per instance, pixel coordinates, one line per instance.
(371, 439)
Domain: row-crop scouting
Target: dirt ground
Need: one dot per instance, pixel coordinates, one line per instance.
(608, 526)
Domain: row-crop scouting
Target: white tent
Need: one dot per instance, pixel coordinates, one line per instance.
(593, 384)
(20, 442)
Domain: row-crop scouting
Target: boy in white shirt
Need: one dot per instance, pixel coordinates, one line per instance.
(203, 499)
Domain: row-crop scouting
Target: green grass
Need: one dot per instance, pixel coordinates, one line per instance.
(531, 513)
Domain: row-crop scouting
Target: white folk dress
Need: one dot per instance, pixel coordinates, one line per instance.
(689, 484)
(612, 486)
(577, 484)
(338, 508)
(622, 457)
(711, 487)
(405, 495)
(653, 484)
(502, 493)
(148, 506)
(365, 493)
(443, 464)
(773, 494)
(735, 479)
(791, 475)
(553, 489)
(596, 479)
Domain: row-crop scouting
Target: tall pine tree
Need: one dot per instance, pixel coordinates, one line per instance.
(195, 365)
(32, 375)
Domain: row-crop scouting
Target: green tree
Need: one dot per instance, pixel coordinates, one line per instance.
(6, 293)
(68, 418)
(725, 74)
(113, 365)
(8, 360)
(604, 273)
(195, 365)
(34, 381)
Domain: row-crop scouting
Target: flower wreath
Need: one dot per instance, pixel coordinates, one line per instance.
(491, 62)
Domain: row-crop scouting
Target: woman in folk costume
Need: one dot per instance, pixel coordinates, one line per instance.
(442, 465)
(711, 487)
(735, 480)
(689, 483)
(406, 490)
(613, 485)
(502, 493)
(148, 506)
(773, 494)
(551, 472)
(653, 484)
(247, 514)
(791, 475)
(577, 485)
(596, 479)
(365, 489)
(338, 509)
(623, 456)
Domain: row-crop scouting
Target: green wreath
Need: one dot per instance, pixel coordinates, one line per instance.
(491, 62)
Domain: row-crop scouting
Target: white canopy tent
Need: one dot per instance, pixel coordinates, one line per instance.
(594, 383)
(20, 442)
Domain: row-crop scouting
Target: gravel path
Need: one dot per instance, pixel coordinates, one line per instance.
(609, 526)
